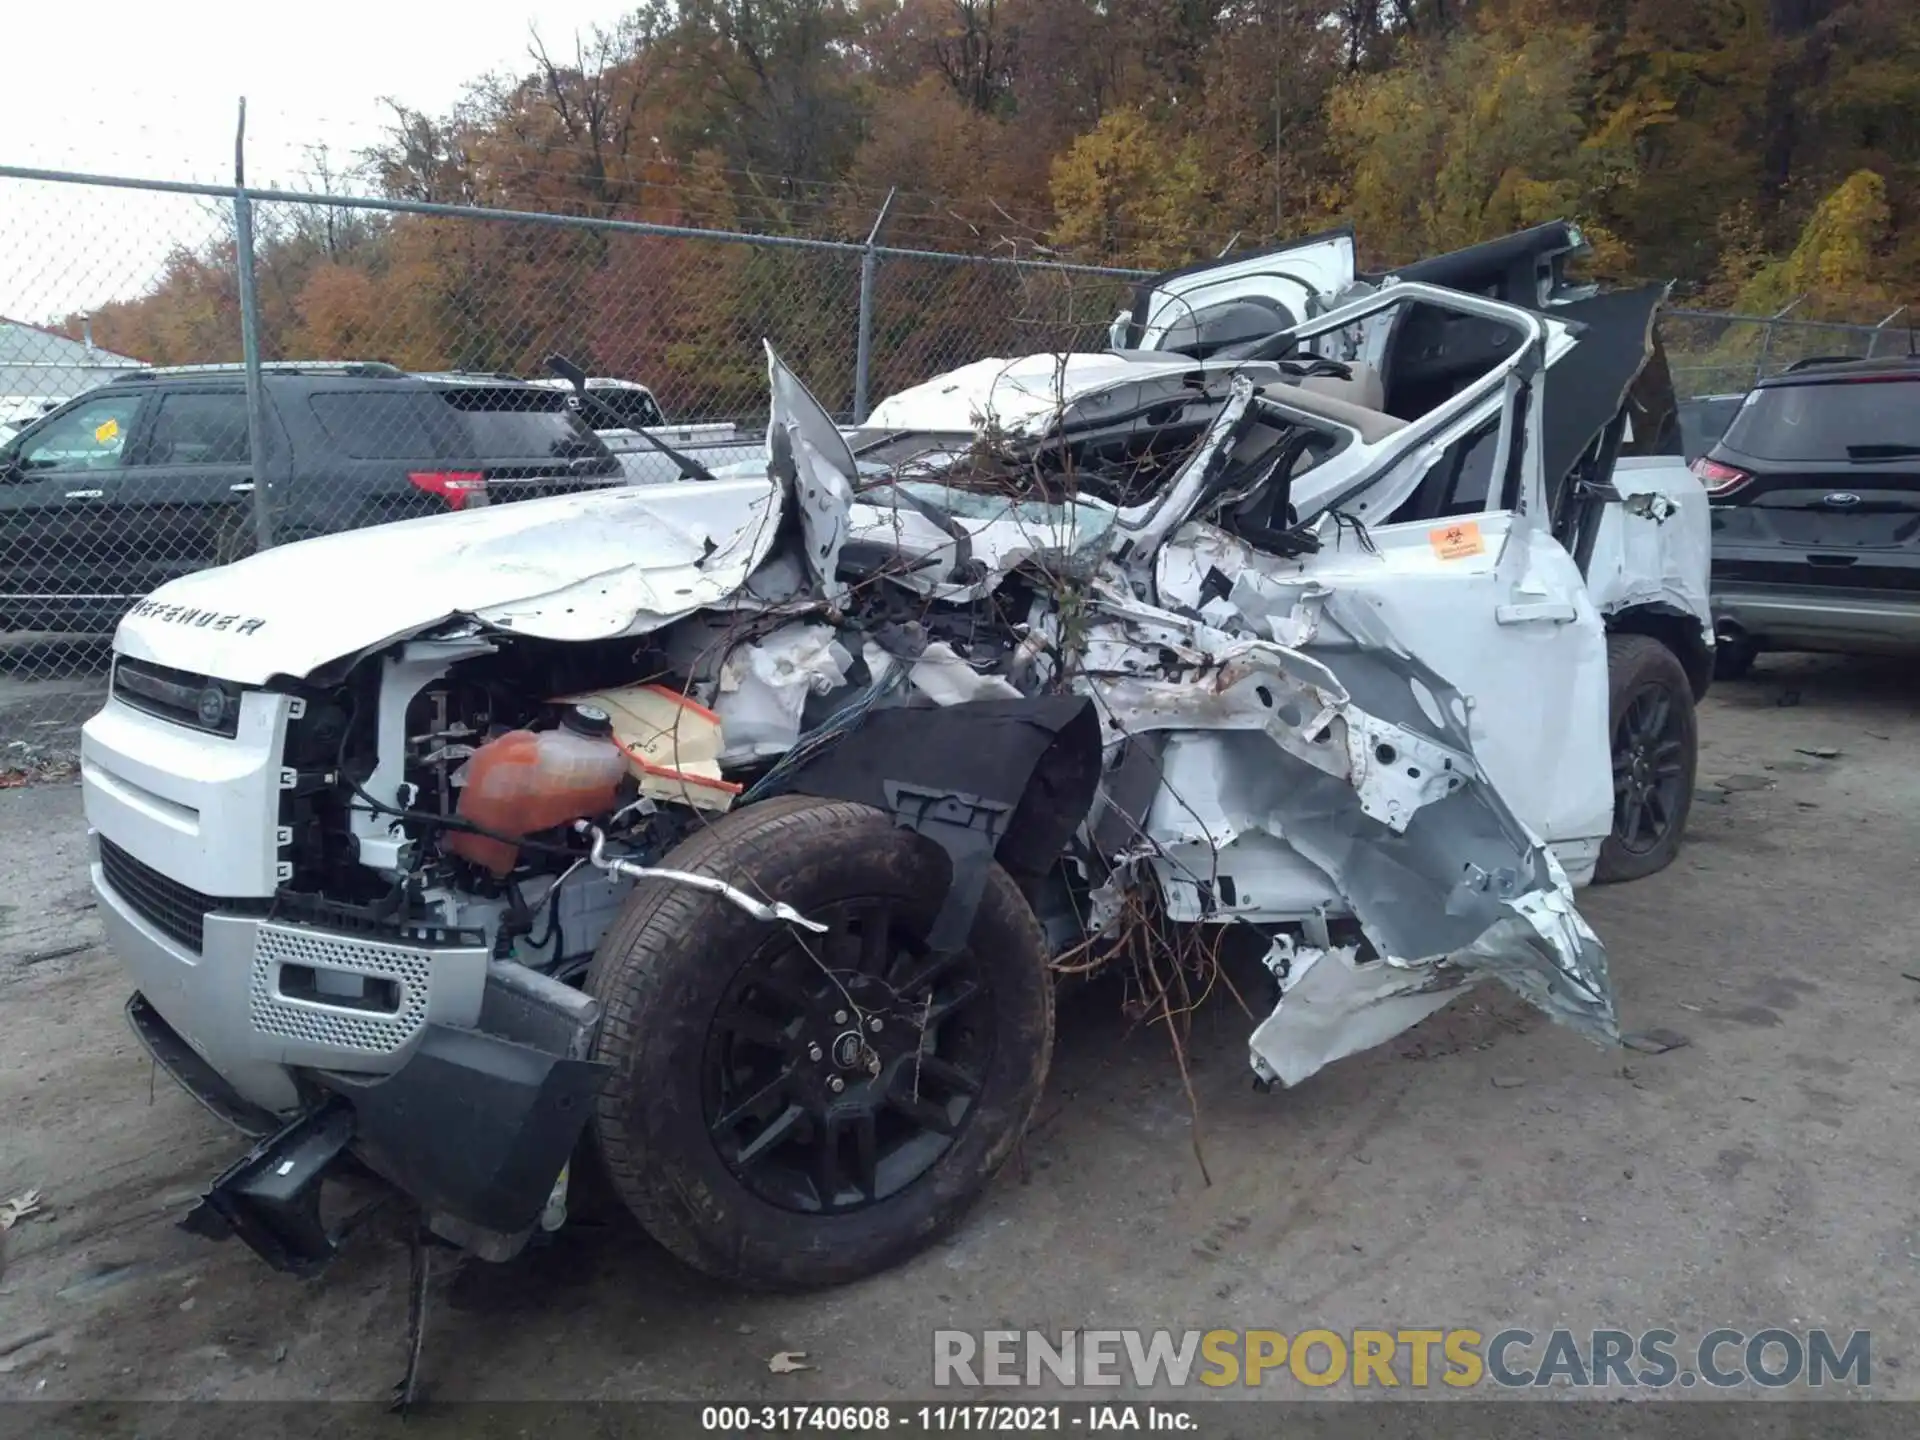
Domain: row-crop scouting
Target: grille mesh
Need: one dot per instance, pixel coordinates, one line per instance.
(175, 910)
(370, 1033)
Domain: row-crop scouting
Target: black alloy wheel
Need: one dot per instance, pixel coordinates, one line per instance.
(1655, 744)
(840, 1067)
(786, 1109)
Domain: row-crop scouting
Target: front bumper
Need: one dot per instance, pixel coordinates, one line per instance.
(257, 998)
(475, 1128)
(326, 1035)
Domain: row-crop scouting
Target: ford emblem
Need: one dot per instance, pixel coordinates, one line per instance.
(1841, 499)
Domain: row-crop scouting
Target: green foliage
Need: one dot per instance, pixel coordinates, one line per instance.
(1832, 272)
(1127, 191)
(1478, 134)
(1837, 262)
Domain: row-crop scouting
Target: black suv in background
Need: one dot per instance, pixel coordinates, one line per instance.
(1815, 490)
(150, 475)
(1704, 419)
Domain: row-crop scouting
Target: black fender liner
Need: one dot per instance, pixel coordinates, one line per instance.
(473, 1125)
(1007, 780)
(1675, 629)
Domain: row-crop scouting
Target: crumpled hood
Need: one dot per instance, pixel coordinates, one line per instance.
(1027, 394)
(574, 567)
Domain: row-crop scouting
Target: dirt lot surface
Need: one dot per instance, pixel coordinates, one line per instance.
(49, 684)
(1486, 1170)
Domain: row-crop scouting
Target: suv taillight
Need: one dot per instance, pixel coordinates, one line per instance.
(459, 488)
(1719, 480)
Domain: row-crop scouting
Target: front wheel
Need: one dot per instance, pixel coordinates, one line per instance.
(790, 1110)
(1656, 743)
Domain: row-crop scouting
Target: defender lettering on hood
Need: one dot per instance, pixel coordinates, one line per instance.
(202, 619)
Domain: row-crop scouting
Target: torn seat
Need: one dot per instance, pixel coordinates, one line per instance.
(1353, 403)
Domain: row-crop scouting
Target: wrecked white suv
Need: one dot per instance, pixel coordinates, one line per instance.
(743, 823)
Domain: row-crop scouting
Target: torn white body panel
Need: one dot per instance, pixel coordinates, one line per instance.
(1210, 865)
(944, 678)
(1502, 613)
(809, 458)
(763, 687)
(1656, 546)
(998, 537)
(1513, 631)
(1386, 801)
(1334, 1005)
(1244, 832)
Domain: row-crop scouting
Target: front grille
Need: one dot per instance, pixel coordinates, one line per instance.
(175, 910)
(195, 701)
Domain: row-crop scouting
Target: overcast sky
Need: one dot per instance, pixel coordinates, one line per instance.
(150, 90)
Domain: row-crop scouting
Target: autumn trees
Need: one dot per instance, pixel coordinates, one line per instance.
(1760, 151)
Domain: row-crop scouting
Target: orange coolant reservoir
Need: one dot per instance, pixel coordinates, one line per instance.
(527, 780)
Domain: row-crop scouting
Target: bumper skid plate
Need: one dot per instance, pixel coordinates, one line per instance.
(270, 1198)
(474, 1129)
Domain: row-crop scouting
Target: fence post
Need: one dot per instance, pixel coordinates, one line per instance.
(1766, 338)
(250, 339)
(863, 344)
(1873, 342)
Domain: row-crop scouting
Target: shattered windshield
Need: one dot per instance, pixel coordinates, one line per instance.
(1008, 522)
(1073, 523)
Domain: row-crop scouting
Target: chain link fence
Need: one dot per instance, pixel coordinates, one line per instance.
(393, 343)
(371, 360)
(1713, 354)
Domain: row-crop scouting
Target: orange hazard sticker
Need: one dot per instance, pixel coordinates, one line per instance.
(1456, 542)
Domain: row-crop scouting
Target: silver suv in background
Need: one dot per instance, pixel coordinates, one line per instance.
(629, 419)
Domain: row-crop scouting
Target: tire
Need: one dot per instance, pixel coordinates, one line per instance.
(1732, 659)
(1655, 741)
(687, 983)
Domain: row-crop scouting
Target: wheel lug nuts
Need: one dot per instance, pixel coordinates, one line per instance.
(815, 1053)
(874, 1025)
(836, 1084)
(839, 1017)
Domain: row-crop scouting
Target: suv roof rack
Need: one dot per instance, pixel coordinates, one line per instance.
(1866, 366)
(468, 376)
(594, 382)
(1813, 360)
(364, 368)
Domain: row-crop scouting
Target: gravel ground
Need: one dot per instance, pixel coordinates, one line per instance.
(49, 685)
(1485, 1170)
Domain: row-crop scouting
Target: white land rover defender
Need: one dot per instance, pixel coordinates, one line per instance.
(731, 828)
